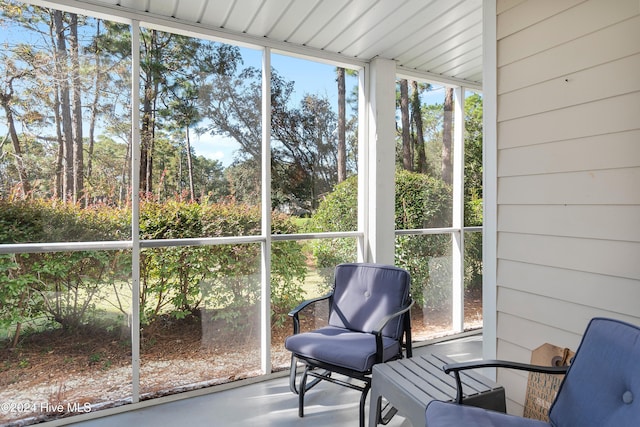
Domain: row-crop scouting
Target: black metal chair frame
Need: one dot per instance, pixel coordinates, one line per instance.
(322, 371)
(456, 368)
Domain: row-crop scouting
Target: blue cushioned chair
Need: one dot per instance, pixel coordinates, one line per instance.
(368, 323)
(601, 387)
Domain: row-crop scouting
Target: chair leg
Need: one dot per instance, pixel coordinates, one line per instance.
(303, 389)
(293, 372)
(363, 400)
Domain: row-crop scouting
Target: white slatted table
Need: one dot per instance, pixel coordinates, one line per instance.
(410, 384)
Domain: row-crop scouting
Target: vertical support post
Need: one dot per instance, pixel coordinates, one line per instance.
(458, 211)
(380, 209)
(489, 180)
(363, 161)
(135, 211)
(265, 276)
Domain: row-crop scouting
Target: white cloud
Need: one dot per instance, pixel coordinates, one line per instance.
(215, 147)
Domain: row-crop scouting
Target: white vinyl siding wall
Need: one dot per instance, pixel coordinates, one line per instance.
(568, 173)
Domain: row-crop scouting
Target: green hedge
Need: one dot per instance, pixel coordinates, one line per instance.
(421, 202)
(73, 289)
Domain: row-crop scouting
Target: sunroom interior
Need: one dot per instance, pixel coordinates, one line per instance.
(558, 237)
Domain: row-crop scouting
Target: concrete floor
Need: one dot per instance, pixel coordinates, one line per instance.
(270, 403)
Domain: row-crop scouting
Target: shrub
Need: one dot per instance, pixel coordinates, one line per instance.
(69, 287)
(226, 277)
(64, 286)
(421, 202)
(338, 211)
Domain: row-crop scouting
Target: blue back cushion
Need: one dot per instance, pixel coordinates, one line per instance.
(366, 293)
(602, 387)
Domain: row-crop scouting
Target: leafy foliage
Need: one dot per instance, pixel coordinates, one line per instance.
(421, 202)
(71, 289)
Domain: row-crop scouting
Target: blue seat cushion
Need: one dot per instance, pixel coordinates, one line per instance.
(366, 293)
(341, 347)
(444, 414)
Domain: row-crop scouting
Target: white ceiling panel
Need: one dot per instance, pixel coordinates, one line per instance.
(193, 13)
(293, 17)
(443, 45)
(369, 20)
(472, 46)
(336, 25)
(396, 26)
(269, 17)
(317, 20)
(441, 38)
(242, 13)
(215, 13)
(164, 8)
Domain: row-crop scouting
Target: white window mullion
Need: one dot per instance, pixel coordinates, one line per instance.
(363, 162)
(458, 210)
(265, 306)
(135, 211)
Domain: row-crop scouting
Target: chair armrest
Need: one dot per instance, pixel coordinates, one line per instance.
(383, 322)
(453, 367)
(296, 311)
(456, 368)
(386, 319)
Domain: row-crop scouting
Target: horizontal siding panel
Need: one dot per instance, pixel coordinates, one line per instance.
(513, 381)
(611, 115)
(576, 88)
(568, 138)
(549, 310)
(608, 44)
(515, 387)
(525, 14)
(576, 287)
(511, 328)
(608, 222)
(512, 352)
(618, 259)
(607, 151)
(599, 187)
(565, 26)
(503, 5)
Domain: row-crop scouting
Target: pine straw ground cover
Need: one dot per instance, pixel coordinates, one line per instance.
(54, 374)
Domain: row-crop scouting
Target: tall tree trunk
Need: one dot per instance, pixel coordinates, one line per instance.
(416, 114)
(97, 88)
(145, 138)
(5, 99)
(126, 173)
(447, 137)
(62, 78)
(78, 149)
(148, 114)
(407, 162)
(59, 190)
(342, 121)
(190, 167)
